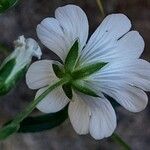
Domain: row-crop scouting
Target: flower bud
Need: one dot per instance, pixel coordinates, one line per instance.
(15, 65)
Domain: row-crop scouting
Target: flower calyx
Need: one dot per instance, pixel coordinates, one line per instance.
(76, 75)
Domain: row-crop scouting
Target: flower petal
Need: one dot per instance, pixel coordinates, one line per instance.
(51, 35)
(103, 117)
(123, 80)
(105, 38)
(59, 34)
(74, 23)
(133, 72)
(130, 45)
(40, 74)
(131, 98)
(53, 102)
(79, 114)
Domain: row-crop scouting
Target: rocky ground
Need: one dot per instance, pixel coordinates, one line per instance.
(134, 128)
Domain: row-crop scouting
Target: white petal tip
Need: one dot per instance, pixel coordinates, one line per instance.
(33, 46)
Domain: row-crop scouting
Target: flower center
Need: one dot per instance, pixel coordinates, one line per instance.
(76, 75)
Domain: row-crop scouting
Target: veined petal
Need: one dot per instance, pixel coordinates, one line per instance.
(74, 23)
(123, 80)
(40, 74)
(53, 102)
(131, 98)
(52, 36)
(105, 38)
(103, 117)
(59, 34)
(130, 45)
(135, 72)
(79, 114)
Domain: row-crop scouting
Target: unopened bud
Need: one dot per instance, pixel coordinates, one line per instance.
(15, 65)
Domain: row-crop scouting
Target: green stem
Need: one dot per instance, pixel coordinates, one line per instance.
(14, 125)
(120, 141)
(21, 116)
(99, 3)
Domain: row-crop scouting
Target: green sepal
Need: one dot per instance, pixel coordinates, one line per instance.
(58, 71)
(8, 130)
(6, 4)
(71, 59)
(7, 83)
(6, 69)
(81, 87)
(87, 70)
(67, 90)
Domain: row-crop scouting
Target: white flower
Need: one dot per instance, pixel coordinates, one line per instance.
(123, 78)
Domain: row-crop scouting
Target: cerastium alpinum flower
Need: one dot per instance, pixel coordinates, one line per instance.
(108, 64)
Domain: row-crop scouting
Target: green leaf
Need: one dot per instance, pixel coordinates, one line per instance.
(58, 71)
(67, 90)
(81, 87)
(43, 122)
(8, 130)
(87, 70)
(6, 4)
(72, 57)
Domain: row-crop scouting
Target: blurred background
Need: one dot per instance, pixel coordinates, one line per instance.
(23, 19)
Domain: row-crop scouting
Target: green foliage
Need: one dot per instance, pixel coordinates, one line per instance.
(81, 87)
(12, 126)
(35, 124)
(43, 122)
(68, 90)
(88, 70)
(75, 75)
(58, 71)
(6, 4)
(7, 82)
(72, 57)
(6, 69)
